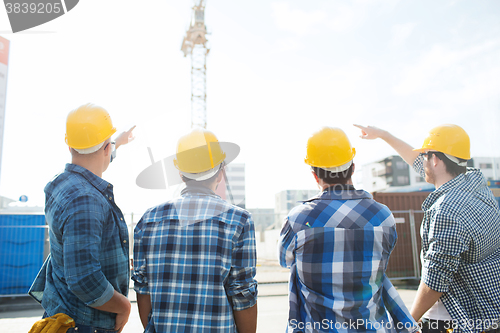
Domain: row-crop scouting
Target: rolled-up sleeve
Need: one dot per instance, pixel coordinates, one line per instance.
(241, 285)
(418, 165)
(447, 241)
(286, 245)
(139, 275)
(82, 238)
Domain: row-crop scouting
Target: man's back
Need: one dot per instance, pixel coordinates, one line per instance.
(89, 248)
(195, 256)
(337, 246)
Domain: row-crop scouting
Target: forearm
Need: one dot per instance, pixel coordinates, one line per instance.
(120, 305)
(246, 320)
(424, 300)
(401, 147)
(144, 306)
(117, 304)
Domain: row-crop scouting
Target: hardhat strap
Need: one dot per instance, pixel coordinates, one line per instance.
(455, 160)
(202, 175)
(89, 150)
(339, 168)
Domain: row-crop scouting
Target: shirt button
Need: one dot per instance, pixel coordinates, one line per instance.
(121, 218)
(110, 198)
(125, 241)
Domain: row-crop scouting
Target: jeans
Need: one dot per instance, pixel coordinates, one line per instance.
(84, 328)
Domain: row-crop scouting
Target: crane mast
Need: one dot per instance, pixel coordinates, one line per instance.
(195, 45)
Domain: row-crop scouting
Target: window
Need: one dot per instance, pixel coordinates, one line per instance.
(401, 165)
(403, 180)
(485, 166)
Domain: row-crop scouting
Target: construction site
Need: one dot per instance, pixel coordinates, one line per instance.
(271, 135)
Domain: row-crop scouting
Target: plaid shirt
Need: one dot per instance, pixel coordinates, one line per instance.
(461, 249)
(195, 256)
(337, 246)
(89, 256)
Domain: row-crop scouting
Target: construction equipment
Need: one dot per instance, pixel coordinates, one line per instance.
(195, 44)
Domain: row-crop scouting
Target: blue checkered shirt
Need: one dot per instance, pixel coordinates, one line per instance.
(89, 250)
(461, 249)
(337, 246)
(195, 256)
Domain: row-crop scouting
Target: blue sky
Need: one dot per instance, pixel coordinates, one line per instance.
(277, 71)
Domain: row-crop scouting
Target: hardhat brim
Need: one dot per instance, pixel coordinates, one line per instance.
(163, 173)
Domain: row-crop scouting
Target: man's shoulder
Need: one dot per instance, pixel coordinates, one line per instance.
(67, 187)
(202, 207)
(355, 208)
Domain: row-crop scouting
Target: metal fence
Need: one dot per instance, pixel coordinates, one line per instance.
(24, 246)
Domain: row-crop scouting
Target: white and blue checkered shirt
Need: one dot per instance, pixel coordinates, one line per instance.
(461, 249)
(195, 256)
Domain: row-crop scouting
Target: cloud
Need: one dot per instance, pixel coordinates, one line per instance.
(440, 64)
(401, 32)
(297, 21)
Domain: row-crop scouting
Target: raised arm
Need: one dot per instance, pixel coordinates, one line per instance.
(124, 138)
(401, 147)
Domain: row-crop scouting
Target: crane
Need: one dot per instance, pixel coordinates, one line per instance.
(195, 44)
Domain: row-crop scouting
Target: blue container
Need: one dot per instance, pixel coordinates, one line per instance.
(22, 239)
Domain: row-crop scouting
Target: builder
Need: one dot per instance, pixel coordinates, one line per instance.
(460, 285)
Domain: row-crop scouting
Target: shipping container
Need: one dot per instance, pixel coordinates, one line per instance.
(22, 251)
(494, 185)
(404, 262)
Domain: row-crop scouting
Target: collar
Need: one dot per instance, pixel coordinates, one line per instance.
(446, 187)
(96, 181)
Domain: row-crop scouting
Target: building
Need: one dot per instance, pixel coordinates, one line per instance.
(235, 173)
(490, 166)
(262, 218)
(391, 172)
(287, 199)
(394, 174)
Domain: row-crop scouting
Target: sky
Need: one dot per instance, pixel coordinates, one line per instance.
(277, 71)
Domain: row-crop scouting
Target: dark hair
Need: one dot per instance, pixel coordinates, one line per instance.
(451, 167)
(333, 177)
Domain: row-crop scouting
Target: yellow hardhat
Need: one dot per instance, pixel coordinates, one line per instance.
(330, 149)
(199, 154)
(449, 139)
(88, 126)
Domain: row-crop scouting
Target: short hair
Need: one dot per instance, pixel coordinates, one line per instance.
(332, 178)
(451, 167)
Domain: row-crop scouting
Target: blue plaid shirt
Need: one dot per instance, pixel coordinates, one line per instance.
(337, 246)
(89, 250)
(195, 256)
(461, 249)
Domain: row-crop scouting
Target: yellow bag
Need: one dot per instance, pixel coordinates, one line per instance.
(58, 323)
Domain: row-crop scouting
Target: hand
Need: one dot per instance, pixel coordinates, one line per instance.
(124, 138)
(370, 132)
(121, 320)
